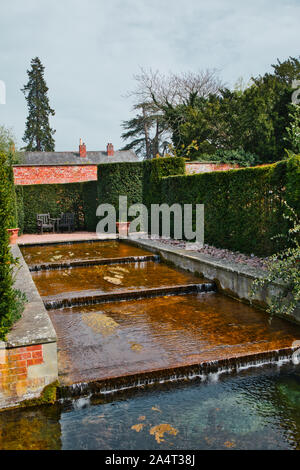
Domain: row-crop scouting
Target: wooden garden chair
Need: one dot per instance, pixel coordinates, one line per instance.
(44, 222)
(67, 220)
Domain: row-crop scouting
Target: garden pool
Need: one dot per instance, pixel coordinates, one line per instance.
(255, 409)
(60, 252)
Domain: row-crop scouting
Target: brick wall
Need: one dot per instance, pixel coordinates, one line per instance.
(54, 174)
(202, 167)
(25, 371)
(78, 173)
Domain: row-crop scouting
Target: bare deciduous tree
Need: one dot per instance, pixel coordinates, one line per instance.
(149, 132)
(174, 88)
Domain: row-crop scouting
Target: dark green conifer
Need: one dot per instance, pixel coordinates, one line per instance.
(38, 134)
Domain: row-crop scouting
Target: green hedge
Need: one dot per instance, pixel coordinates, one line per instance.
(293, 182)
(9, 305)
(53, 199)
(243, 208)
(240, 157)
(120, 179)
(13, 214)
(20, 208)
(136, 180)
(90, 204)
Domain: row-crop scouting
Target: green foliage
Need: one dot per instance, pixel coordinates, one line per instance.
(293, 131)
(47, 397)
(11, 301)
(154, 171)
(7, 139)
(254, 119)
(7, 144)
(20, 208)
(239, 157)
(38, 133)
(243, 208)
(120, 179)
(13, 211)
(136, 180)
(293, 182)
(283, 267)
(90, 204)
(145, 131)
(53, 199)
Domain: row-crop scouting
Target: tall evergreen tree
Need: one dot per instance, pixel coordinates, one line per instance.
(146, 131)
(38, 133)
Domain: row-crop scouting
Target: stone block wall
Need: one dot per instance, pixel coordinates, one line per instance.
(28, 357)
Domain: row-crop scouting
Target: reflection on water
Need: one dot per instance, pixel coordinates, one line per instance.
(74, 251)
(32, 429)
(118, 338)
(245, 411)
(110, 278)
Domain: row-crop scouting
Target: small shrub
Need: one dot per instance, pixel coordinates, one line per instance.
(11, 300)
(239, 157)
(284, 267)
(243, 207)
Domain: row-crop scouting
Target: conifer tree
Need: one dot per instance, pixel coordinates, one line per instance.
(38, 133)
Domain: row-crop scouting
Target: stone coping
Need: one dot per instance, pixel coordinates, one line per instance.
(232, 278)
(35, 326)
(156, 246)
(66, 241)
(61, 238)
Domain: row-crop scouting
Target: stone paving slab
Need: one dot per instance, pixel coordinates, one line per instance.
(34, 327)
(59, 237)
(112, 341)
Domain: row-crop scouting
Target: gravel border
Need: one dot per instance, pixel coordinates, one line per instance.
(219, 253)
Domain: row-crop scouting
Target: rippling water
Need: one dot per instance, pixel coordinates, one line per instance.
(110, 278)
(51, 253)
(258, 410)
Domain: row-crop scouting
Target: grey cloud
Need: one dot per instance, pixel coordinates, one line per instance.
(92, 49)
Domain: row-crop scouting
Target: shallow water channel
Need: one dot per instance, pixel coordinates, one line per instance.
(167, 329)
(255, 409)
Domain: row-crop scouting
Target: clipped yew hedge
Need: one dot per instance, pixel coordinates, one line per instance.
(50, 198)
(136, 180)
(90, 204)
(243, 208)
(11, 302)
(139, 181)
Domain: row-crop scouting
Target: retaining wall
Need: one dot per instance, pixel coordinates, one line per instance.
(28, 358)
(232, 279)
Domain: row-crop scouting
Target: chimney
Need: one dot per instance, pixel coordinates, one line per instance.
(110, 150)
(82, 149)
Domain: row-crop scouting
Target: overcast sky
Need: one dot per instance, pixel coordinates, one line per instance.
(92, 48)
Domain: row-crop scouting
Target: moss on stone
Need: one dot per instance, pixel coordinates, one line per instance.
(47, 397)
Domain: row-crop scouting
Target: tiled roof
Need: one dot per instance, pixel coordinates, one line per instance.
(73, 158)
